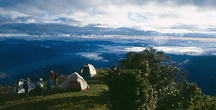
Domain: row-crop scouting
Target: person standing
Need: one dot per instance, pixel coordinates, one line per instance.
(52, 74)
(49, 86)
(40, 86)
(26, 86)
(56, 79)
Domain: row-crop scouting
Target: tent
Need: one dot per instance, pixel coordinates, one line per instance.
(74, 82)
(18, 87)
(87, 71)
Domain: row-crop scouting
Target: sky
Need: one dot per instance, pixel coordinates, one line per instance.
(164, 16)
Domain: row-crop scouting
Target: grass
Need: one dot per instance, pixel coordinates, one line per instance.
(93, 99)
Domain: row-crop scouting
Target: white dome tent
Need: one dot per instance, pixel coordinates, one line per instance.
(87, 71)
(18, 87)
(74, 82)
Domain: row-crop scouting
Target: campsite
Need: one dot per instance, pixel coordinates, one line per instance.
(142, 84)
(95, 97)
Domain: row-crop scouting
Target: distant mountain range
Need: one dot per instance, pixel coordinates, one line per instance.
(55, 29)
(35, 59)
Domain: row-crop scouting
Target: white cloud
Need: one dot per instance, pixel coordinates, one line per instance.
(154, 15)
(147, 17)
(45, 46)
(184, 62)
(134, 49)
(160, 39)
(92, 56)
(122, 49)
(181, 50)
(119, 49)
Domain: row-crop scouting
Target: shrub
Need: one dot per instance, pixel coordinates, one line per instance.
(128, 90)
(148, 80)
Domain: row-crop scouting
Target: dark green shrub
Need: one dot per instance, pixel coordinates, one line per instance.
(150, 81)
(128, 90)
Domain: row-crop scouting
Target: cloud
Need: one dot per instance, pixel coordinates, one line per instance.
(194, 51)
(2, 75)
(178, 50)
(160, 39)
(122, 49)
(134, 49)
(200, 3)
(164, 16)
(184, 62)
(92, 56)
(119, 49)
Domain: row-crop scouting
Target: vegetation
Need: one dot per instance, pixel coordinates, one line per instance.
(93, 99)
(145, 80)
(149, 80)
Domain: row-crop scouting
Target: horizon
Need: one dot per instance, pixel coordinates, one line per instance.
(158, 21)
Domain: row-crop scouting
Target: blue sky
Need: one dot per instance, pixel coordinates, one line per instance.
(164, 16)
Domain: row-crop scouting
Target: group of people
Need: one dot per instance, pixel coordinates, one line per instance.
(40, 88)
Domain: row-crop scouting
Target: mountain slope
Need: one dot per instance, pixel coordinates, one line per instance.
(202, 70)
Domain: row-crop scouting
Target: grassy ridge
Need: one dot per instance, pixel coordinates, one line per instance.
(94, 98)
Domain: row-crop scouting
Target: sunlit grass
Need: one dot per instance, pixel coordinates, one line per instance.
(94, 98)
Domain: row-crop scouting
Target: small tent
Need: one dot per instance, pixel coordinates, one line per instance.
(87, 71)
(18, 87)
(74, 82)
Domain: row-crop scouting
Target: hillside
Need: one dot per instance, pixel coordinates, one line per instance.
(202, 70)
(99, 96)
(94, 98)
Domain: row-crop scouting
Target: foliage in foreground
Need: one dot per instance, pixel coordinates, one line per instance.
(148, 80)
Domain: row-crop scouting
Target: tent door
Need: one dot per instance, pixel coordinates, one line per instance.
(74, 85)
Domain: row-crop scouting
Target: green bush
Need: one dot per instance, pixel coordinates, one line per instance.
(148, 80)
(128, 90)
